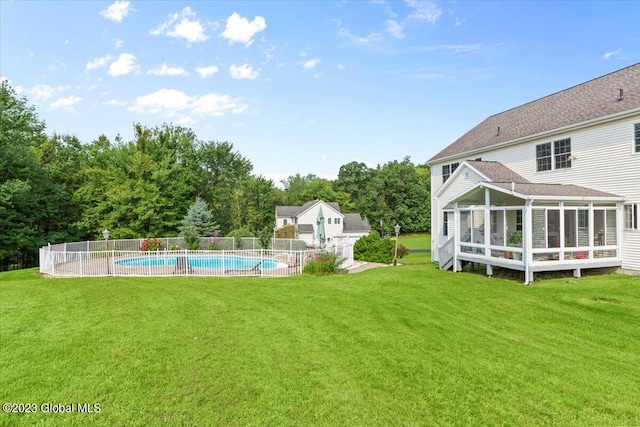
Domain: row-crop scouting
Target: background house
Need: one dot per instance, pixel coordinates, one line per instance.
(565, 167)
(339, 227)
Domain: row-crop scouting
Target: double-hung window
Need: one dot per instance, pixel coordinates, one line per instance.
(562, 153)
(631, 216)
(446, 173)
(543, 157)
(555, 155)
(636, 138)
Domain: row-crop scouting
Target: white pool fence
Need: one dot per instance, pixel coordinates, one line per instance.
(226, 257)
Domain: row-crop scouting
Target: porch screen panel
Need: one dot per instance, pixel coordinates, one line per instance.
(465, 227)
(598, 227)
(538, 221)
(478, 227)
(570, 229)
(553, 228)
(583, 227)
(497, 228)
(611, 237)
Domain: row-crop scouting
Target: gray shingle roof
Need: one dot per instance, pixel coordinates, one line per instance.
(305, 228)
(555, 190)
(293, 211)
(353, 222)
(592, 100)
(496, 171)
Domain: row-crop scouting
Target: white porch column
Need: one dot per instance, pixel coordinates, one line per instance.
(456, 236)
(562, 235)
(527, 241)
(487, 222)
(619, 227)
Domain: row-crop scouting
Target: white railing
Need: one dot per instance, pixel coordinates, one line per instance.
(59, 260)
(446, 253)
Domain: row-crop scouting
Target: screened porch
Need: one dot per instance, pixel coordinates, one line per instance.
(509, 228)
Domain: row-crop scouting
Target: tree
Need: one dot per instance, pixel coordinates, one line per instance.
(201, 219)
(21, 180)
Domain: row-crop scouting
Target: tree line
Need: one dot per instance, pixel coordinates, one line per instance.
(56, 188)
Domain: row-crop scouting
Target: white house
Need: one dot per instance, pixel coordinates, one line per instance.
(339, 227)
(553, 184)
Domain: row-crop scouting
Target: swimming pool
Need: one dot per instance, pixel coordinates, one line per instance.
(223, 262)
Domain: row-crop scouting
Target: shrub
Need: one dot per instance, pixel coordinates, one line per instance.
(402, 251)
(373, 248)
(239, 233)
(191, 238)
(286, 232)
(324, 264)
(151, 244)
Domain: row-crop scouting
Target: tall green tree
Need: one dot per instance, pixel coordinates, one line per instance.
(21, 179)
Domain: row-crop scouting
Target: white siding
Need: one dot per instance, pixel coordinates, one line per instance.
(464, 179)
(331, 230)
(602, 159)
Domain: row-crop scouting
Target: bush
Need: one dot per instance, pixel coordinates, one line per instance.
(151, 244)
(191, 238)
(238, 233)
(324, 264)
(373, 248)
(402, 251)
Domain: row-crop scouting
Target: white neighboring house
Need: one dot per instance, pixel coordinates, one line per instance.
(339, 227)
(562, 171)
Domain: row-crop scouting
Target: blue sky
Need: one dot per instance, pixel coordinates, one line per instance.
(305, 86)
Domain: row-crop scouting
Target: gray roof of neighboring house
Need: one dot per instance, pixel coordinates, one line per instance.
(591, 100)
(353, 222)
(305, 228)
(293, 211)
(496, 171)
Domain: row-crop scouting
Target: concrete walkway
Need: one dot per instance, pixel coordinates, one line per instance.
(359, 266)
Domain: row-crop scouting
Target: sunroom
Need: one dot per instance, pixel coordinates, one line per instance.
(535, 227)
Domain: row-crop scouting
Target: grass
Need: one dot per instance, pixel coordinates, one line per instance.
(415, 241)
(407, 345)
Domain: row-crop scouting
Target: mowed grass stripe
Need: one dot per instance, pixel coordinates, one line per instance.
(403, 345)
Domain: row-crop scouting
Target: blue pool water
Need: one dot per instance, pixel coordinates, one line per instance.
(201, 261)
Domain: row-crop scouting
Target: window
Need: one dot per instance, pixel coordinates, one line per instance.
(284, 222)
(328, 220)
(637, 137)
(445, 224)
(583, 218)
(562, 153)
(518, 220)
(454, 166)
(446, 173)
(336, 221)
(543, 157)
(631, 216)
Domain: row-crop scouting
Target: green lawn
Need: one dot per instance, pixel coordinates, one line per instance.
(413, 241)
(406, 345)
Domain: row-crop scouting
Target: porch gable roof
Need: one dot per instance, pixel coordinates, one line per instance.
(489, 171)
(533, 191)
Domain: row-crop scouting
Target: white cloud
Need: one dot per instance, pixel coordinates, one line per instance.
(311, 64)
(610, 54)
(65, 103)
(114, 103)
(42, 92)
(207, 71)
(243, 72)
(117, 43)
(99, 62)
(184, 121)
(165, 70)
(174, 103)
(395, 29)
(424, 11)
(240, 30)
(340, 67)
(125, 64)
(117, 11)
(361, 40)
(181, 25)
